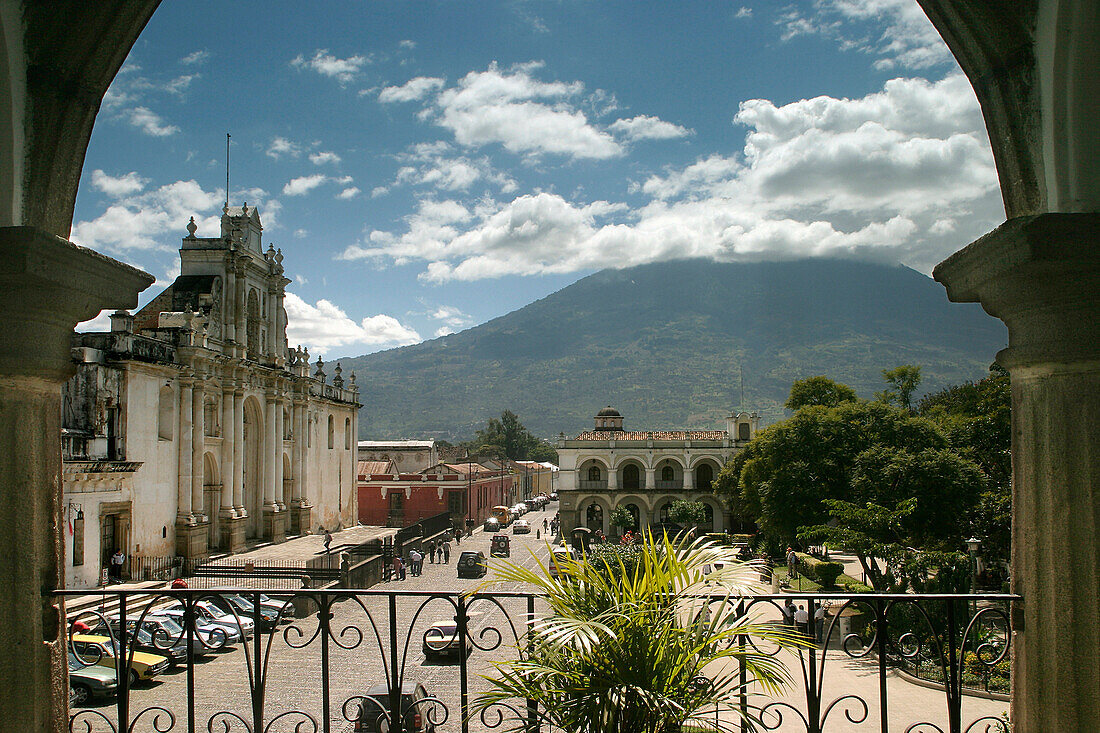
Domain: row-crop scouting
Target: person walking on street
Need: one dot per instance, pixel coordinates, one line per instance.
(446, 552)
(792, 564)
(819, 623)
(115, 571)
(416, 561)
(398, 568)
(545, 524)
(431, 551)
(328, 541)
(788, 612)
(802, 621)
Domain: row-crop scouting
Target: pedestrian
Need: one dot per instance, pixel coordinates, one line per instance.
(398, 568)
(545, 524)
(431, 551)
(458, 536)
(819, 623)
(115, 570)
(802, 621)
(446, 551)
(788, 612)
(416, 563)
(328, 541)
(792, 564)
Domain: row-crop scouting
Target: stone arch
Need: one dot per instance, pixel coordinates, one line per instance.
(253, 468)
(592, 473)
(699, 470)
(643, 509)
(715, 521)
(668, 472)
(631, 474)
(657, 515)
(585, 514)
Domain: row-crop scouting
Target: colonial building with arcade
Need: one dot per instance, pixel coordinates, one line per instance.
(644, 471)
(192, 426)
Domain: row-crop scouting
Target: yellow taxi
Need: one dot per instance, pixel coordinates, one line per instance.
(99, 650)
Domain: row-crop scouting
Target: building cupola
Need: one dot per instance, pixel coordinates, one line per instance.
(609, 419)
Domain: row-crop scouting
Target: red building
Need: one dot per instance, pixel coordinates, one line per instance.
(466, 490)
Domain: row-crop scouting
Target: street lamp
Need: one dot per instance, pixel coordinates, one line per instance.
(974, 545)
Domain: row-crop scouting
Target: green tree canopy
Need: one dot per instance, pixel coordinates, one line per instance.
(903, 382)
(621, 517)
(683, 511)
(818, 391)
(507, 438)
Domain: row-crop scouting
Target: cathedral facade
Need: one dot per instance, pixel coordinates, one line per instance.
(192, 426)
(644, 471)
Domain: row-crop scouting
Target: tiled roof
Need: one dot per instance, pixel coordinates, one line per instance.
(395, 444)
(370, 468)
(633, 435)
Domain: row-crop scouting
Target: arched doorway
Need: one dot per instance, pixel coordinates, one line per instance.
(635, 513)
(211, 497)
(253, 468)
(593, 517)
(704, 477)
(632, 477)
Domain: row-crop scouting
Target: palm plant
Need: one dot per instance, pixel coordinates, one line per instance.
(647, 650)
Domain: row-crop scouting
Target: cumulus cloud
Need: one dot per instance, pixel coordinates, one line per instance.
(320, 158)
(435, 165)
(280, 146)
(902, 174)
(156, 219)
(303, 185)
(903, 35)
(451, 316)
(644, 127)
(743, 12)
(411, 91)
(326, 326)
(149, 122)
(325, 64)
(115, 187)
(348, 193)
(443, 331)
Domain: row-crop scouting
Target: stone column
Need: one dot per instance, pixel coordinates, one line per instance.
(238, 453)
(229, 300)
(198, 449)
(1041, 276)
(274, 526)
(269, 451)
(649, 479)
(47, 286)
(240, 311)
(689, 476)
(280, 500)
(229, 462)
(183, 435)
(298, 417)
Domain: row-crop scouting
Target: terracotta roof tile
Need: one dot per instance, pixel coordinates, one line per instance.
(371, 468)
(637, 435)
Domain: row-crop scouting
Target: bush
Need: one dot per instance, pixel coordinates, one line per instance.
(827, 573)
(852, 585)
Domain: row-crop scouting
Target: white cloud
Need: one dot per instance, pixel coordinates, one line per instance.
(195, 57)
(115, 187)
(451, 316)
(644, 127)
(903, 35)
(156, 219)
(443, 331)
(325, 64)
(149, 122)
(101, 322)
(411, 91)
(325, 326)
(320, 158)
(743, 12)
(348, 193)
(303, 185)
(431, 164)
(525, 115)
(406, 45)
(280, 146)
(902, 174)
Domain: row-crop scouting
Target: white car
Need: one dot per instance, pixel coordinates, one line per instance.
(521, 526)
(521, 508)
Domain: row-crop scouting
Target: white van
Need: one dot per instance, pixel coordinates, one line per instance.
(558, 555)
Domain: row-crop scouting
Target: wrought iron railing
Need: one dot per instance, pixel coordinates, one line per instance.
(362, 660)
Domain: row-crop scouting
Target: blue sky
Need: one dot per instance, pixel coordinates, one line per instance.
(428, 166)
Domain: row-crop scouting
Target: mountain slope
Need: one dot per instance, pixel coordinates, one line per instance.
(664, 344)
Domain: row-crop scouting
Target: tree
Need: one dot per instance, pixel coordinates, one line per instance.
(624, 650)
(685, 512)
(507, 438)
(903, 381)
(621, 517)
(818, 391)
(543, 452)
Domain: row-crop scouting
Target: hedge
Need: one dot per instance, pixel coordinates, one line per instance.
(823, 571)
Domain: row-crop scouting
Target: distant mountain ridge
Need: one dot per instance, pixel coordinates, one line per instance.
(665, 344)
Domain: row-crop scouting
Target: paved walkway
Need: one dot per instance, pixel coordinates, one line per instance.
(308, 547)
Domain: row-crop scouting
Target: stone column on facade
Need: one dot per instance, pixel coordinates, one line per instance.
(1041, 276)
(229, 463)
(240, 310)
(198, 449)
(612, 479)
(184, 437)
(271, 318)
(689, 475)
(273, 520)
(650, 478)
(298, 421)
(47, 286)
(280, 499)
(229, 300)
(238, 453)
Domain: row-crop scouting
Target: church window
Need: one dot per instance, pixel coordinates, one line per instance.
(166, 413)
(667, 474)
(331, 432)
(743, 432)
(210, 417)
(397, 502)
(631, 477)
(594, 473)
(347, 433)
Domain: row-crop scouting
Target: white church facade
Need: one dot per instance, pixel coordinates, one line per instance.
(192, 426)
(644, 471)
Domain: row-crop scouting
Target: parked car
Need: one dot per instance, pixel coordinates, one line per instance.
(521, 508)
(443, 640)
(242, 604)
(374, 711)
(553, 496)
(158, 635)
(558, 555)
(220, 636)
(278, 603)
(472, 564)
(491, 525)
(88, 681)
(500, 546)
(521, 526)
(92, 649)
